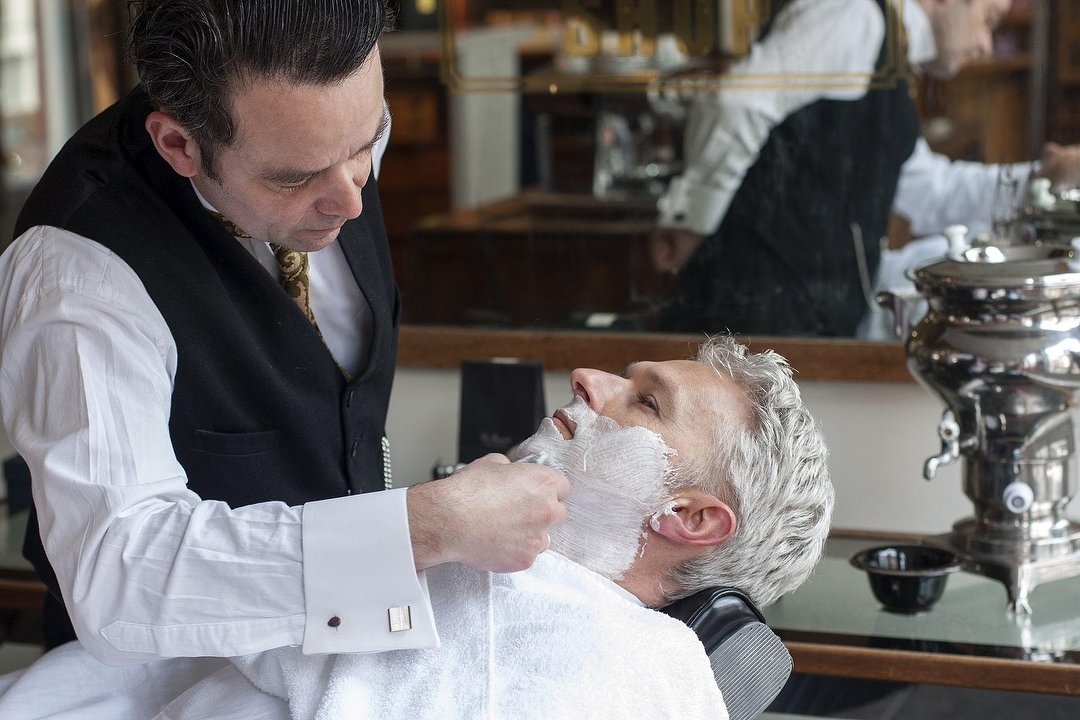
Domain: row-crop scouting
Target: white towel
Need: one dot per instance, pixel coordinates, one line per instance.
(554, 641)
(69, 684)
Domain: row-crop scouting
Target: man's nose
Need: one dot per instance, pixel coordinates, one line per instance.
(342, 197)
(595, 387)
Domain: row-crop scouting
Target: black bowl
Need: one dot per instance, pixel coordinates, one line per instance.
(907, 578)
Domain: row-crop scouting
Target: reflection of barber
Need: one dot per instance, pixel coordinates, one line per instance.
(775, 224)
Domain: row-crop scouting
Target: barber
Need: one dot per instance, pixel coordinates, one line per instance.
(775, 225)
(198, 332)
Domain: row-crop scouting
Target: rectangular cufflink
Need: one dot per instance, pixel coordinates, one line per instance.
(400, 618)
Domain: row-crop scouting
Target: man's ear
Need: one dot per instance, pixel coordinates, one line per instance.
(698, 519)
(174, 143)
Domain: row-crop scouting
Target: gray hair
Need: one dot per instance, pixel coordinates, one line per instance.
(773, 472)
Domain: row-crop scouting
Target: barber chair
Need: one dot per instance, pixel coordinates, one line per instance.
(748, 660)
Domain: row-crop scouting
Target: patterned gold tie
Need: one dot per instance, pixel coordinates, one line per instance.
(294, 275)
(230, 227)
(294, 278)
(294, 269)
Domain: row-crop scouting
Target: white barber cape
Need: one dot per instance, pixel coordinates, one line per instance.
(554, 641)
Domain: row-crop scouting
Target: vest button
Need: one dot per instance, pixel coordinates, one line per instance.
(351, 396)
(355, 449)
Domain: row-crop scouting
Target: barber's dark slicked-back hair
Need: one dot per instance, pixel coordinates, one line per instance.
(192, 55)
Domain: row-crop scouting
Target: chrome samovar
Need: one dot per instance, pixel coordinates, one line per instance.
(1000, 344)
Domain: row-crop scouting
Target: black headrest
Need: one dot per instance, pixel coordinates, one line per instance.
(715, 613)
(748, 660)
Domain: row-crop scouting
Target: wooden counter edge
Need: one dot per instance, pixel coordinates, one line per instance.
(935, 668)
(813, 359)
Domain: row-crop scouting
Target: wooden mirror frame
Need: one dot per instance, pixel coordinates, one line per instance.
(813, 359)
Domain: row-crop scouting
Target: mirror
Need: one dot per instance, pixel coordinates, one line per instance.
(519, 207)
(567, 246)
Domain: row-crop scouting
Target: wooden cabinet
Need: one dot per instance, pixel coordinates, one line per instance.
(1065, 101)
(414, 181)
(536, 260)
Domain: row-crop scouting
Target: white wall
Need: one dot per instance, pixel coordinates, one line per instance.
(485, 137)
(879, 434)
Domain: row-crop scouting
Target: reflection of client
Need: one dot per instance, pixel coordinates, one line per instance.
(684, 475)
(745, 500)
(775, 225)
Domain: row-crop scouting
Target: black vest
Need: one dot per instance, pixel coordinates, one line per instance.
(810, 211)
(260, 410)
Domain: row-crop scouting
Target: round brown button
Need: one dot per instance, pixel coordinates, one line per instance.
(334, 621)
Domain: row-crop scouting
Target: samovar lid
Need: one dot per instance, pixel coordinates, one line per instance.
(1034, 274)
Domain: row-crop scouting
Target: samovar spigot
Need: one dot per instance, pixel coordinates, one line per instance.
(949, 432)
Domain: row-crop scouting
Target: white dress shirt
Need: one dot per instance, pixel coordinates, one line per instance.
(818, 49)
(147, 567)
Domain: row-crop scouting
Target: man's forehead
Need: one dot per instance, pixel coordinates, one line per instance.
(301, 124)
(669, 372)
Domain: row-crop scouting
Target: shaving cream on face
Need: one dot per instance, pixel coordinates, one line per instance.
(617, 482)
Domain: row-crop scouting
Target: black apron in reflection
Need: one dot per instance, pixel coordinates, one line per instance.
(805, 226)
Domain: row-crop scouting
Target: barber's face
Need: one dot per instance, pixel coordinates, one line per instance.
(963, 32)
(301, 156)
(680, 400)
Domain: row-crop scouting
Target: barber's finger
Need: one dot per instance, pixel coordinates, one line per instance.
(562, 486)
(498, 458)
(545, 476)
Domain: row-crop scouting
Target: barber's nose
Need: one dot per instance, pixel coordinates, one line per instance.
(595, 387)
(342, 198)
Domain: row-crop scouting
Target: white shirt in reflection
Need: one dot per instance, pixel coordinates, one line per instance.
(818, 39)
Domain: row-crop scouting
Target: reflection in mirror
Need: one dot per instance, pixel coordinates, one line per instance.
(786, 204)
(526, 209)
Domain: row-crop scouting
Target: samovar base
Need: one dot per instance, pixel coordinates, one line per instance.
(1020, 563)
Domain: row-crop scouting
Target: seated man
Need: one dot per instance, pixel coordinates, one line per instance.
(684, 475)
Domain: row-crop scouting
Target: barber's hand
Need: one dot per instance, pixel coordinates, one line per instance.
(1061, 164)
(672, 248)
(491, 514)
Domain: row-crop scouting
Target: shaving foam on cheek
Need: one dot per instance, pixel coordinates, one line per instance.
(617, 481)
(667, 509)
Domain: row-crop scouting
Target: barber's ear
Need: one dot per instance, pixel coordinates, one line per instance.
(699, 519)
(174, 143)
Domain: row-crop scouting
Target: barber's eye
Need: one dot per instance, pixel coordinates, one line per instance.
(292, 187)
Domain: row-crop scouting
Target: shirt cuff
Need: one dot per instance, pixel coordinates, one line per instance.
(361, 587)
(688, 206)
